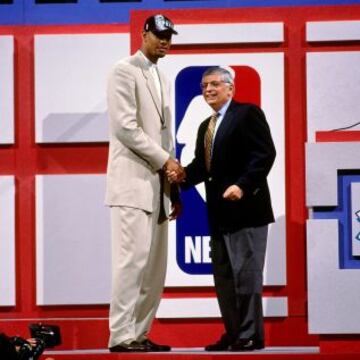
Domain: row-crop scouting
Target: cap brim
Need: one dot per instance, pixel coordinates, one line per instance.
(167, 31)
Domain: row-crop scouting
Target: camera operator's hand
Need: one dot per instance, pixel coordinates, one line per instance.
(22, 347)
(31, 348)
(32, 342)
(38, 345)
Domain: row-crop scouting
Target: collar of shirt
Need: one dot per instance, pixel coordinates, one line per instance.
(148, 63)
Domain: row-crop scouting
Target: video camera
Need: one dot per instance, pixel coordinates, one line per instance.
(49, 334)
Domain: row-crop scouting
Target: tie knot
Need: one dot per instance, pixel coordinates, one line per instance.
(214, 117)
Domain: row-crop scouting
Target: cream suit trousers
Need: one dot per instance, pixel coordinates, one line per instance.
(139, 256)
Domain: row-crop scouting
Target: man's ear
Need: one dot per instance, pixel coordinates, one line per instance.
(232, 88)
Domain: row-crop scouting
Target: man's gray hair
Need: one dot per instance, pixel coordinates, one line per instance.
(226, 75)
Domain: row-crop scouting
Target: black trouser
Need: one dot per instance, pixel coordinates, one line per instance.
(238, 262)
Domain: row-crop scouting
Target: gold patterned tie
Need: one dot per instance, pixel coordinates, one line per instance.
(209, 134)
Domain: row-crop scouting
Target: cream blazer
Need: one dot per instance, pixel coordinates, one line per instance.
(140, 135)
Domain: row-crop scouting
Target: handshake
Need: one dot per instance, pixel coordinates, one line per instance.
(174, 171)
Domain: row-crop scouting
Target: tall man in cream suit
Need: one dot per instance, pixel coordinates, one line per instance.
(138, 193)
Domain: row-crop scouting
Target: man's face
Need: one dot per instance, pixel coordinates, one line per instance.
(215, 91)
(156, 46)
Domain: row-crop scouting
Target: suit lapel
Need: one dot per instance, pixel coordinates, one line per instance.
(150, 84)
(223, 129)
(164, 99)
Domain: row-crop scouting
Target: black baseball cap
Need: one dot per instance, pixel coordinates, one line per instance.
(159, 24)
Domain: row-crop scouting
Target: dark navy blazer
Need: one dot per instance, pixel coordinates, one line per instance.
(243, 154)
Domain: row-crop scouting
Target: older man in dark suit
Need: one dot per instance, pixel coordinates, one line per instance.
(233, 156)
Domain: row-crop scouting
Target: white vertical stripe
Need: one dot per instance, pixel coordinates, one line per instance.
(7, 241)
(6, 89)
(39, 240)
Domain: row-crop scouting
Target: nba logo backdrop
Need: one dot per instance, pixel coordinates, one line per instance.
(192, 233)
(258, 79)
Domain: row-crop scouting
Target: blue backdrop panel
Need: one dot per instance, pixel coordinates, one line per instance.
(342, 212)
(33, 12)
(12, 14)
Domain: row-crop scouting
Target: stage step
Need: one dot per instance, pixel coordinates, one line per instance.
(269, 353)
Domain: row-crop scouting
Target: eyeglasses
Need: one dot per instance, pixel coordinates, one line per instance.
(213, 84)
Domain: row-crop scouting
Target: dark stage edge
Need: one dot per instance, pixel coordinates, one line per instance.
(269, 353)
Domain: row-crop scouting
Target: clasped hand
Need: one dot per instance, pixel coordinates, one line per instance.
(176, 174)
(174, 171)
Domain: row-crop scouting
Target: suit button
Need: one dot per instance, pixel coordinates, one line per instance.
(210, 179)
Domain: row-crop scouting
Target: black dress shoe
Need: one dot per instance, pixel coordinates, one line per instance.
(221, 345)
(259, 344)
(134, 346)
(246, 345)
(151, 346)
